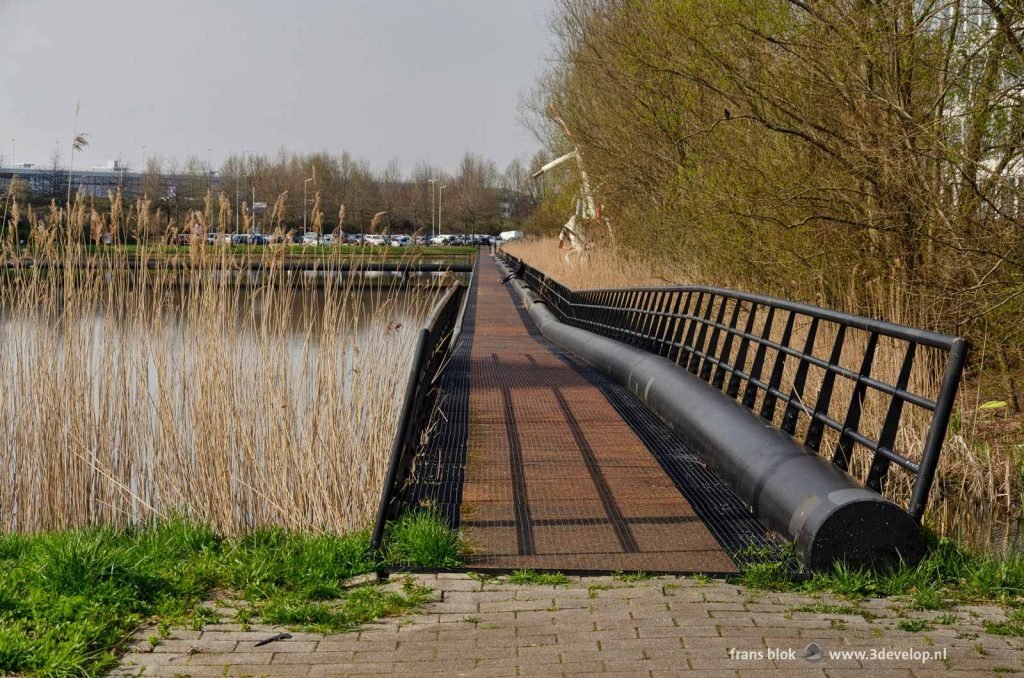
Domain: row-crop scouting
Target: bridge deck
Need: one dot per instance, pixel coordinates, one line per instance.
(555, 478)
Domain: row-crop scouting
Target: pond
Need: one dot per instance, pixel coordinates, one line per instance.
(236, 401)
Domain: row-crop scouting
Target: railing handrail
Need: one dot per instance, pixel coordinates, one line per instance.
(417, 401)
(688, 324)
(883, 327)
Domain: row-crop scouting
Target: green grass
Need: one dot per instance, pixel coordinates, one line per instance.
(631, 577)
(825, 608)
(947, 574)
(69, 601)
(534, 578)
(1014, 626)
(913, 625)
(422, 539)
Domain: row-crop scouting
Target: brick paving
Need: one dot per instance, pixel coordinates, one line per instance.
(663, 626)
(555, 478)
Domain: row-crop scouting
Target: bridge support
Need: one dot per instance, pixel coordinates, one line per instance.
(826, 512)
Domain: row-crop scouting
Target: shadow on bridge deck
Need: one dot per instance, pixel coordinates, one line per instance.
(548, 465)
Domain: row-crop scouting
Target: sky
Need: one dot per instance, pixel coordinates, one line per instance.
(383, 79)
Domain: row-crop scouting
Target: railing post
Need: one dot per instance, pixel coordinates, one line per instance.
(395, 460)
(937, 430)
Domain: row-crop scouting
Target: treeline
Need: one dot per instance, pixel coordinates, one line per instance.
(865, 154)
(477, 198)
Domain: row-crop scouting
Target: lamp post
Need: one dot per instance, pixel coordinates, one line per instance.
(433, 185)
(305, 201)
(142, 171)
(440, 188)
(209, 189)
(12, 151)
(238, 175)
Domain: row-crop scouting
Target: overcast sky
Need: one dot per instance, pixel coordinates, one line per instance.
(382, 79)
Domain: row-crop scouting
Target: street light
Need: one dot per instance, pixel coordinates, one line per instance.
(238, 175)
(433, 185)
(12, 151)
(304, 202)
(209, 190)
(440, 188)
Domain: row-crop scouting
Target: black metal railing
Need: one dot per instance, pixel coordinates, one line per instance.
(806, 370)
(433, 345)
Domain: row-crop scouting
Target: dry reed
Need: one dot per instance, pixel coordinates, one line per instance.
(239, 398)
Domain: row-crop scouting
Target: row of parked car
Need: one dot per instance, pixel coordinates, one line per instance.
(311, 238)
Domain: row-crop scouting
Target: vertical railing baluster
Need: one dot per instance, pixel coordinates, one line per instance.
(670, 322)
(775, 381)
(741, 353)
(676, 349)
(816, 428)
(653, 344)
(790, 416)
(647, 331)
(709, 353)
(694, 320)
(880, 464)
(750, 392)
(723, 356)
(844, 449)
(698, 345)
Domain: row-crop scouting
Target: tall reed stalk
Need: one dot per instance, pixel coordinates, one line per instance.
(239, 398)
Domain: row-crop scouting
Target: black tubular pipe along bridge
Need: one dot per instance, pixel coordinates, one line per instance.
(809, 373)
(435, 340)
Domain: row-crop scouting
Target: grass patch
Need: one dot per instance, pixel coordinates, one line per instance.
(846, 610)
(631, 577)
(947, 574)
(423, 539)
(534, 578)
(1007, 628)
(359, 606)
(913, 625)
(69, 601)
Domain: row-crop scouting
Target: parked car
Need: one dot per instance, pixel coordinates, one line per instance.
(374, 239)
(354, 239)
(400, 241)
(328, 239)
(440, 239)
(509, 236)
(310, 238)
(241, 239)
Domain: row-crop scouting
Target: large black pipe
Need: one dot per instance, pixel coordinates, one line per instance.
(830, 516)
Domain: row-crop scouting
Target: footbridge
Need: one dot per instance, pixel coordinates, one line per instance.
(667, 429)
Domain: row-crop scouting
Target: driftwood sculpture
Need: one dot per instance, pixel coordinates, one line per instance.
(588, 209)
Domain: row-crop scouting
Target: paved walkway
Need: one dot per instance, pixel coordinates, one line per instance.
(555, 478)
(658, 627)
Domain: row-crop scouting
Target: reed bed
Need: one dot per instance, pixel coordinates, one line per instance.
(978, 485)
(241, 399)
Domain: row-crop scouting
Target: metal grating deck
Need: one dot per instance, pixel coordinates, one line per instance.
(547, 464)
